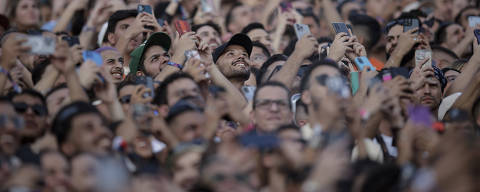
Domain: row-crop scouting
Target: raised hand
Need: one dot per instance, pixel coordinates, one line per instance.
(339, 47)
(11, 49)
(306, 46)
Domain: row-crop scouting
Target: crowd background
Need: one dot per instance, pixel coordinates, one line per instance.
(225, 95)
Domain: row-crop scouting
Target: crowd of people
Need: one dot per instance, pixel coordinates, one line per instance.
(239, 95)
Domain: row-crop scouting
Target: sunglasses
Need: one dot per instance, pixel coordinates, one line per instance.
(38, 109)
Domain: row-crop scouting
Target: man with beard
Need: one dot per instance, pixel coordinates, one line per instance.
(79, 127)
(151, 57)
(210, 33)
(400, 46)
(233, 59)
(428, 87)
(112, 63)
(32, 106)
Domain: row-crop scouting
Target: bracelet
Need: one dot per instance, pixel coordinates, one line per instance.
(15, 86)
(175, 65)
(87, 29)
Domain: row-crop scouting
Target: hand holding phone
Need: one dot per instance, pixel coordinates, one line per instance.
(473, 21)
(40, 45)
(341, 28)
(144, 8)
(301, 30)
(421, 55)
(97, 59)
(362, 62)
(410, 24)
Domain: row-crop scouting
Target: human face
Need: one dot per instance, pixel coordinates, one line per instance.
(209, 35)
(224, 176)
(89, 134)
(120, 30)
(155, 58)
(262, 36)
(444, 9)
(188, 125)
(241, 17)
(392, 38)
(113, 65)
(313, 25)
(186, 169)
(455, 34)
(83, 176)
(234, 62)
(451, 75)
(442, 59)
(257, 57)
(271, 109)
(10, 125)
(430, 93)
(27, 14)
(125, 94)
(182, 88)
(34, 113)
(55, 169)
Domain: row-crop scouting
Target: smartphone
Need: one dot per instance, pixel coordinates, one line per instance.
(409, 24)
(422, 54)
(71, 40)
(363, 61)
(206, 6)
(97, 59)
(144, 8)
(340, 27)
(248, 92)
(149, 84)
(40, 45)
(420, 115)
(354, 81)
(93, 56)
(301, 30)
(182, 27)
(192, 53)
(473, 21)
(350, 27)
(285, 6)
(477, 35)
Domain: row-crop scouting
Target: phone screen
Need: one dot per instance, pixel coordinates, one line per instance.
(477, 35)
(182, 27)
(410, 24)
(421, 55)
(473, 21)
(341, 27)
(144, 8)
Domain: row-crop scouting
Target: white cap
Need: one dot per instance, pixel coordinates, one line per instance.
(446, 104)
(101, 34)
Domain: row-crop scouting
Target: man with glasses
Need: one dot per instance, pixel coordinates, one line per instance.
(271, 107)
(32, 106)
(151, 57)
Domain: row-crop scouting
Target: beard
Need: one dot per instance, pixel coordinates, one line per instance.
(243, 74)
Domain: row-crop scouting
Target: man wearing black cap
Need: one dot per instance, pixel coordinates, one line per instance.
(233, 59)
(149, 58)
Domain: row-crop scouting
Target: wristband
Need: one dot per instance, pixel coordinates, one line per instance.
(87, 29)
(175, 65)
(15, 86)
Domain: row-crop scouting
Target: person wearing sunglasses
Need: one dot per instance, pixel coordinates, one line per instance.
(31, 105)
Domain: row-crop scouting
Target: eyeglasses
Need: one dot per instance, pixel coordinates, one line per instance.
(38, 109)
(267, 104)
(125, 99)
(17, 121)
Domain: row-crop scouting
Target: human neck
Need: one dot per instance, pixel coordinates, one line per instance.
(237, 82)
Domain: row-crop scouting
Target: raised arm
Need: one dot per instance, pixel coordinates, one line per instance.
(304, 48)
(468, 72)
(67, 15)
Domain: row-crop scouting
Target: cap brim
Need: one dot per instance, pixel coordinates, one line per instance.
(160, 39)
(238, 39)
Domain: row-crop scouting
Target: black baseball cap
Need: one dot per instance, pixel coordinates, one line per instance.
(238, 39)
(158, 38)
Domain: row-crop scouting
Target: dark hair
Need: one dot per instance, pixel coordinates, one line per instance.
(400, 21)
(459, 15)
(304, 83)
(370, 26)
(162, 91)
(272, 84)
(459, 63)
(39, 70)
(263, 47)
(444, 50)
(62, 123)
(5, 99)
(56, 88)
(341, 4)
(290, 47)
(446, 69)
(441, 34)
(229, 17)
(312, 15)
(30, 92)
(287, 127)
(324, 40)
(251, 27)
(179, 108)
(118, 16)
(266, 64)
(12, 8)
(212, 25)
(476, 108)
(125, 83)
